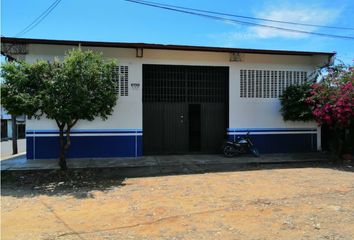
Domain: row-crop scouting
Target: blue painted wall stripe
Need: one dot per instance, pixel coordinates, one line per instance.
(283, 143)
(85, 147)
(271, 129)
(42, 146)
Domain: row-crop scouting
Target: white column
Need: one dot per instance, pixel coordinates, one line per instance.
(319, 146)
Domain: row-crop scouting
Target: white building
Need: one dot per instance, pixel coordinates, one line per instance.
(6, 125)
(183, 99)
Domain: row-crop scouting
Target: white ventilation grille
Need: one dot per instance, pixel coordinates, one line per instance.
(268, 83)
(281, 82)
(258, 83)
(243, 84)
(273, 82)
(297, 78)
(122, 79)
(289, 78)
(303, 77)
(250, 87)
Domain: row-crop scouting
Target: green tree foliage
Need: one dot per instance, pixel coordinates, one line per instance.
(19, 88)
(81, 87)
(18, 93)
(293, 103)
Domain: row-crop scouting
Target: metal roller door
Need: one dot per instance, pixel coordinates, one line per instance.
(185, 108)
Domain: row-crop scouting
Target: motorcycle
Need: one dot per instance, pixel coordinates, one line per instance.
(239, 146)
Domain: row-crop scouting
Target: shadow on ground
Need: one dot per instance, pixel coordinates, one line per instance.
(80, 183)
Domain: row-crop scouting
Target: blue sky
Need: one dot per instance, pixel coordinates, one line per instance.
(117, 20)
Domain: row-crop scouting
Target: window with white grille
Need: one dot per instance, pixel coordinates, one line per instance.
(258, 83)
(281, 82)
(273, 82)
(243, 84)
(250, 87)
(303, 77)
(121, 77)
(297, 78)
(289, 78)
(268, 83)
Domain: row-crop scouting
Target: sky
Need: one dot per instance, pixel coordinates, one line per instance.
(121, 21)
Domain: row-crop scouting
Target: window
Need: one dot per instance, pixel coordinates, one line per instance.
(297, 78)
(303, 77)
(176, 83)
(258, 83)
(266, 78)
(121, 77)
(123, 80)
(243, 78)
(250, 92)
(273, 87)
(268, 83)
(281, 82)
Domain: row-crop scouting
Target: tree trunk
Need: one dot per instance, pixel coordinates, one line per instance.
(62, 159)
(14, 135)
(64, 142)
(68, 140)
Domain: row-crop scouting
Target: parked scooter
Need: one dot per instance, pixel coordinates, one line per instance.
(239, 146)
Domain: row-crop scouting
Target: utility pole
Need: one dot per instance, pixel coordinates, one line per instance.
(14, 125)
(14, 135)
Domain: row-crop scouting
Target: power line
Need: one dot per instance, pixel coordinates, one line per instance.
(247, 17)
(241, 22)
(39, 19)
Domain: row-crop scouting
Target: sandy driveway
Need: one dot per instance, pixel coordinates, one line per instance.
(303, 203)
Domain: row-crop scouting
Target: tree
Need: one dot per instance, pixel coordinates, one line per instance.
(332, 103)
(18, 91)
(293, 103)
(81, 87)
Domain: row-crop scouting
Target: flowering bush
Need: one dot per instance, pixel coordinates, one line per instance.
(332, 100)
(332, 104)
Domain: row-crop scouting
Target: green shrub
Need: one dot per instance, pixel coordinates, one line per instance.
(293, 103)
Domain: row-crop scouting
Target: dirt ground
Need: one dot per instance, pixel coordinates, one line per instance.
(285, 203)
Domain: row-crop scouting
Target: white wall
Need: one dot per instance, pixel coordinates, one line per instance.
(128, 111)
(244, 112)
(260, 112)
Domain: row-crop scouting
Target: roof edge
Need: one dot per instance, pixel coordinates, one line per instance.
(159, 46)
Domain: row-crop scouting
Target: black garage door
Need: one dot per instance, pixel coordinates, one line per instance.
(184, 108)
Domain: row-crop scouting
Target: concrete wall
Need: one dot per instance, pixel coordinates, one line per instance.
(6, 148)
(245, 114)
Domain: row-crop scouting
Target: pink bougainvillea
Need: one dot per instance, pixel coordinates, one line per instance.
(332, 100)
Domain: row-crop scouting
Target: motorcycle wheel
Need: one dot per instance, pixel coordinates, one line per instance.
(229, 151)
(255, 152)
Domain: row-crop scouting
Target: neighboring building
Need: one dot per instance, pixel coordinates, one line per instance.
(183, 99)
(6, 125)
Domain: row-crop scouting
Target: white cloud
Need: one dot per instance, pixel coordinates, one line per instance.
(228, 39)
(229, 22)
(307, 15)
(316, 15)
